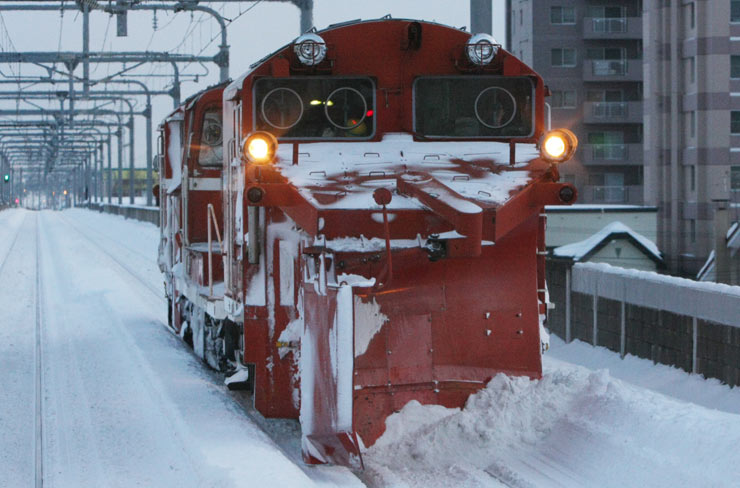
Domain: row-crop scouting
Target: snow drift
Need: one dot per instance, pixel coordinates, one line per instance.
(572, 428)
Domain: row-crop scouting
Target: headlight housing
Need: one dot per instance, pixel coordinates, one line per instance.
(310, 49)
(558, 145)
(481, 49)
(260, 147)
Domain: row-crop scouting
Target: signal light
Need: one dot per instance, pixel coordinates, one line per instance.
(260, 147)
(6, 177)
(558, 145)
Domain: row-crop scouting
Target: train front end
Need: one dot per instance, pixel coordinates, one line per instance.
(385, 190)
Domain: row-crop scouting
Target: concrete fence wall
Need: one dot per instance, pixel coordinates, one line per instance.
(144, 214)
(683, 323)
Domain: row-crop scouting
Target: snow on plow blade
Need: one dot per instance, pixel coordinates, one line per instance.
(326, 378)
(438, 334)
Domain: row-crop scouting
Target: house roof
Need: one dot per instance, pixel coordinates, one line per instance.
(733, 244)
(583, 250)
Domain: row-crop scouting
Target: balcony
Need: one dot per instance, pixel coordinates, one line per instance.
(612, 112)
(612, 70)
(630, 195)
(612, 28)
(611, 154)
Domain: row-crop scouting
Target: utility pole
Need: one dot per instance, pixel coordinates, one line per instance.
(481, 16)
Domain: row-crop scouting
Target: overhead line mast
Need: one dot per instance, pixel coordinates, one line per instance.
(78, 97)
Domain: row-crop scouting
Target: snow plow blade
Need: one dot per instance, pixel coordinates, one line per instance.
(341, 448)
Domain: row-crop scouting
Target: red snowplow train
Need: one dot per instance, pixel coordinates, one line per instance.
(357, 222)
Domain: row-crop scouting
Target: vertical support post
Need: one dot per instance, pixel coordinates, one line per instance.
(568, 335)
(481, 16)
(131, 159)
(110, 172)
(595, 332)
(623, 331)
(86, 48)
(94, 175)
(101, 169)
(306, 8)
(148, 155)
(119, 134)
(694, 344)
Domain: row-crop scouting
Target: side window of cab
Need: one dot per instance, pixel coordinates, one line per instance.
(210, 151)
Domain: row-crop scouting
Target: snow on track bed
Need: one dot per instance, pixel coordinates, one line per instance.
(17, 343)
(125, 403)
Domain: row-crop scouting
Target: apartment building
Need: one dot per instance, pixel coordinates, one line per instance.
(590, 54)
(692, 122)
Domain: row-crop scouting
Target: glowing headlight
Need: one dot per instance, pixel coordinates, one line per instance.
(481, 49)
(260, 147)
(558, 145)
(310, 49)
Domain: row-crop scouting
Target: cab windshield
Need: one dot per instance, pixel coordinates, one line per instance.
(470, 107)
(315, 108)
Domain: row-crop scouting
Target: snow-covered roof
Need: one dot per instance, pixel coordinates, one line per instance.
(599, 207)
(578, 250)
(705, 273)
(733, 237)
(338, 175)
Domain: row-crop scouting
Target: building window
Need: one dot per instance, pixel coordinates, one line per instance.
(606, 12)
(735, 122)
(608, 19)
(734, 66)
(521, 17)
(735, 11)
(692, 124)
(605, 96)
(564, 57)
(735, 178)
(562, 15)
(564, 99)
(513, 21)
(692, 230)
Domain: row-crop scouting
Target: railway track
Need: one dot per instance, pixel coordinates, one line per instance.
(284, 432)
(157, 292)
(39, 380)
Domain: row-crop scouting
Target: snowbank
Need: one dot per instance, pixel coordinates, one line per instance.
(572, 428)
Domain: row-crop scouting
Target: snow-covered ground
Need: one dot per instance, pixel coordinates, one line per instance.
(125, 403)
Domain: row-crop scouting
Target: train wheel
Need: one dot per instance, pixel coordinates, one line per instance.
(221, 343)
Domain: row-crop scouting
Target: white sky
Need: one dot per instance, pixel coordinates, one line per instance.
(261, 30)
